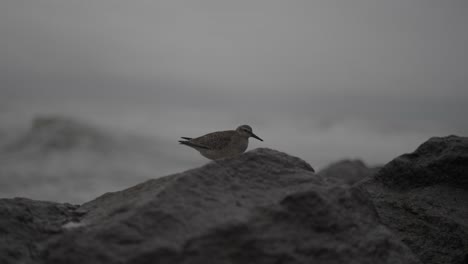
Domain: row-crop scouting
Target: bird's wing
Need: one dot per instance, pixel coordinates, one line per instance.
(215, 140)
(193, 145)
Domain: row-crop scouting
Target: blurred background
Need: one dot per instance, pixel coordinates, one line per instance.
(94, 94)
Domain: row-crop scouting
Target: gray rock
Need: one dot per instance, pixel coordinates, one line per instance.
(25, 223)
(440, 160)
(423, 198)
(264, 207)
(346, 172)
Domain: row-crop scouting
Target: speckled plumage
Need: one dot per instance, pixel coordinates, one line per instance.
(222, 144)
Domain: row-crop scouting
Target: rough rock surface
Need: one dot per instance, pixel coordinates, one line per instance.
(264, 207)
(346, 172)
(24, 223)
(423, 198)
(440, 160)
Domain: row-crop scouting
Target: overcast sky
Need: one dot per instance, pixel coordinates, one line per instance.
(323, 80)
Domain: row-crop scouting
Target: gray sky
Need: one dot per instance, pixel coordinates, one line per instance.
(322, 80)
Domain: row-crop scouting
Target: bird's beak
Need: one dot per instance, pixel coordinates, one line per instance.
(255, 136)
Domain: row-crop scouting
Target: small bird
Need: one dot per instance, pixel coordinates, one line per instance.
(222, 144)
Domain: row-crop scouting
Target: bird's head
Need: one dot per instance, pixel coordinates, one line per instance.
(246, 131)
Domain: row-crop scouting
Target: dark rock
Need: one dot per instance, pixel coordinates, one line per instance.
(423, 198)
(346, 172)
(24, 223)
(264, 207)
(440, 160)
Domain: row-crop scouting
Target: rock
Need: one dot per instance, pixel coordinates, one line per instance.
(346, 172)
(25, 223)
(423, 198)
(440, 160)
(263, 207)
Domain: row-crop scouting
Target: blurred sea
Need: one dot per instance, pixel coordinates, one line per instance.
(67, 160)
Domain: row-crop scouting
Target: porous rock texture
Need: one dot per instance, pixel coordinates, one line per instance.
(423, 197)
(25, 223)
(263, 207)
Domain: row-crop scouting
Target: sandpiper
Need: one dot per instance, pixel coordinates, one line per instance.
(222, 144)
